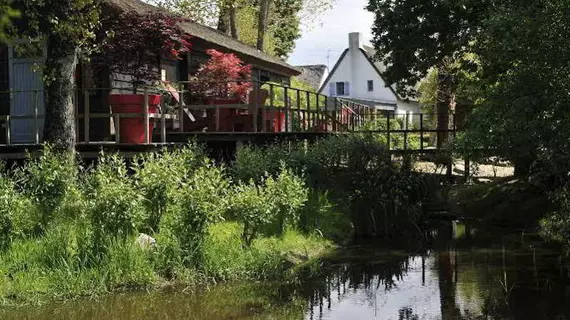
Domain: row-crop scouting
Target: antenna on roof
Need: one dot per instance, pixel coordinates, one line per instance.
(328, 58)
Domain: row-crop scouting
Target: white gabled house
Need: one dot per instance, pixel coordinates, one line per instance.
(357, 77)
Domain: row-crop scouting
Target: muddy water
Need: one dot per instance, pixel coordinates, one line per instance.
(464, 273)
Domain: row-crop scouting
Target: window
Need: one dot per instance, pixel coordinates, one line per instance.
(370, 85)
(340, 89)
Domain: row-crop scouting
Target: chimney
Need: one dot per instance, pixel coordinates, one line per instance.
(354, 41)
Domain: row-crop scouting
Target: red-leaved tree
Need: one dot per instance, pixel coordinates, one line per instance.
(139, 42)
(223, 76)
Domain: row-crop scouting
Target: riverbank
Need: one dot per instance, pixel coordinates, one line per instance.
(69, 229)
(36, 271)
(507, 201)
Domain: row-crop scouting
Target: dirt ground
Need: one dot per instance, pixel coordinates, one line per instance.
(481, 171)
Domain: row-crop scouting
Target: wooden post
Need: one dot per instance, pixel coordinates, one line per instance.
(299, 109)
(406, 132)
(181, 111)
(217, 112)
(162, 122)
(421, 131)
(308, 111)
(86, 116)
(317, 115)
(146, 119)
(255, 107)
(117, 117)
(36, 122)
(388, 130)
(286, 99)
(8, 131)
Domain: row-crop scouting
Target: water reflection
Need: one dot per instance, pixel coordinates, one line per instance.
(463, 277)
(463, 274)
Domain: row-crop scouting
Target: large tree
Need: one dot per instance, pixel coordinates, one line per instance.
(273, 25)
(524, 49)
(413, 36)
(67, 28)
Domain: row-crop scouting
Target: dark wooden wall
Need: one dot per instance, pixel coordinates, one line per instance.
(4, 87)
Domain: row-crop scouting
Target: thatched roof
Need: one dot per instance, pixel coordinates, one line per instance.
(210, 35)
(313, 75)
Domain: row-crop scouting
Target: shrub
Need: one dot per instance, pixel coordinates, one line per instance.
(199, 202)
(114, 202)
(249, 205)
(18, 215)
(47, 180)
(557, 225)
(288, 195)
(159, 175)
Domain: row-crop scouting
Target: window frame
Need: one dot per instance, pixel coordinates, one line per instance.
(370, 85)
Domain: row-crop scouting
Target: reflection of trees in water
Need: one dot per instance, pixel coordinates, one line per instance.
(339, 280)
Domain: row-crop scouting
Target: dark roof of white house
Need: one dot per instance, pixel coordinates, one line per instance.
(207, 34)
(312, 74)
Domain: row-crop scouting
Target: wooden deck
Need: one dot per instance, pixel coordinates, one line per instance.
(274, 113)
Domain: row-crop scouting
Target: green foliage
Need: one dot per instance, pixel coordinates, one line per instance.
(249, 205)
(199, 202)
(7, 14)
(436, 32)
(288, 195)
(18, 215)
(158, 176)
(115, 204)
(48, 179)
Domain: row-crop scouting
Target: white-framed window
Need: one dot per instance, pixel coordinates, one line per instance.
(339, 89)
(370, 85)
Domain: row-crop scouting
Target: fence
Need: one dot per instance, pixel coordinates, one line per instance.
(270, 109)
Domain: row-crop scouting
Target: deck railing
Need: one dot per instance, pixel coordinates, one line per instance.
(271, 108)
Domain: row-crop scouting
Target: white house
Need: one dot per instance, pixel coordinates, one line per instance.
(357, 77)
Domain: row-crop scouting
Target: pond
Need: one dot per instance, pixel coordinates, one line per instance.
(463, 273)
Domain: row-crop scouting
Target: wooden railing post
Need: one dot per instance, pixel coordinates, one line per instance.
(421, 131)
(8, 131)
(117, 117)
(388, 130)
(255, 107)
(36, 122)
(318, 115)
(406, 119)
(162, 122)
(86, 117)
(286, 102)
(264, 111)
(146, 118)
(308, 111)
(181, 111)
(299, 109)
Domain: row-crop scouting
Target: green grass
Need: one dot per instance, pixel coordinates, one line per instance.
(52, 267)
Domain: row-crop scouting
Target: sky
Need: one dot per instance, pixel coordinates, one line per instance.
(332, 33)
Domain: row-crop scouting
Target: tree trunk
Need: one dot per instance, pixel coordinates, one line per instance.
(224, 18)
(233, 21)
(445, 93)
(262, 23)
(59, 128)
